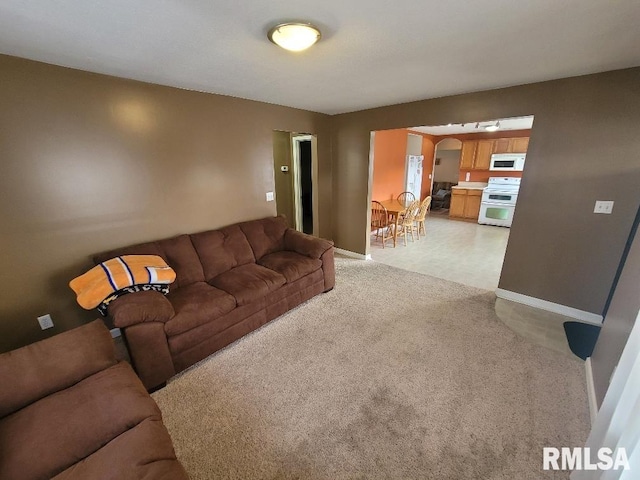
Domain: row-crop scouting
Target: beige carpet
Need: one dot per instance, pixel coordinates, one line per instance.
(392, 375)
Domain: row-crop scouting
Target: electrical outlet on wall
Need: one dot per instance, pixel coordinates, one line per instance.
(45, 321)
(269, 196)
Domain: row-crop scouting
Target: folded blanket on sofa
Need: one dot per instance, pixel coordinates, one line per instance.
(117, 274)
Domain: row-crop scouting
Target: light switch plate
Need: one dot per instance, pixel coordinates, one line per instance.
(269, 196)
(45, 321)
(603, 206)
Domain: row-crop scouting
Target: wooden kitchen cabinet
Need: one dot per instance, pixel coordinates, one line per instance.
(519, 145)
(482, 159)
(458, 200)
(472, 204)
(468, 154)
(465, 203)
(511, 145)
(476, 154)
(501, 145)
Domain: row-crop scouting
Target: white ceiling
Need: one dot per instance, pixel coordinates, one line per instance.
(372, 53)
(515, 123)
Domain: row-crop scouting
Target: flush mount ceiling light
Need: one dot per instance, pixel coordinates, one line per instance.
(294, 36)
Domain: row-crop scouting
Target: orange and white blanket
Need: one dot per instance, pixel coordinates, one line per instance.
(107, 278)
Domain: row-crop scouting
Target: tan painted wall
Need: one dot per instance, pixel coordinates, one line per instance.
(91, 162)
(282, 156)
(584, 146)
(618, 323)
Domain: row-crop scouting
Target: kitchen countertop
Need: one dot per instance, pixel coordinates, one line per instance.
(470, 185)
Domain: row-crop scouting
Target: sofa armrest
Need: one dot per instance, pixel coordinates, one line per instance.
(304, 244)
(140, 307)
(31, 373)
(150, 355)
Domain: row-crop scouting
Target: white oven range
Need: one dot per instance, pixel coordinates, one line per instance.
(499, 201)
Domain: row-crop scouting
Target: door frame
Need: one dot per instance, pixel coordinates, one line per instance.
(296, 138)
(617, 423)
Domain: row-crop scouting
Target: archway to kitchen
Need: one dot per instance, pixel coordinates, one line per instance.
(467, 228)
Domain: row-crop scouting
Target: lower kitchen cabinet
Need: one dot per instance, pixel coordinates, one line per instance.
(472, 205)
(465, 203)
(458, 199)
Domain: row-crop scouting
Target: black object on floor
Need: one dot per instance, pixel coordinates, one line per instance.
(581, 337)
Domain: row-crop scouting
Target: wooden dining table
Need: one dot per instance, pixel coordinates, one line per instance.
(395, 208)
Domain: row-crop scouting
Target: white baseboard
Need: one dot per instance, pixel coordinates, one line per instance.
(581, 315)
(349, 253)
(591, 391)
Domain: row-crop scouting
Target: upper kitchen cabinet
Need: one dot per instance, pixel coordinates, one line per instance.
(511, 145)
(483, 155)
(476, 154)
(468, 154)
(519, 145)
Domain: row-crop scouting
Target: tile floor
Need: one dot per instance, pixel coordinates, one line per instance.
(462, 252)
(472, 254)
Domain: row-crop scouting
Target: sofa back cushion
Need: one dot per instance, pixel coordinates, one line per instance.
(265, 235)
(221, 250)
(182, 257)
(178, 252)
(33, 372)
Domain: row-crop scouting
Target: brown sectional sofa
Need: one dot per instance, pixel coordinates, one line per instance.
(228, 283)
(69, 410)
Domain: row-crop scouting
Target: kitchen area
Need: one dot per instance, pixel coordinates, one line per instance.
(474, 176)
(490, 202)
(490, 163)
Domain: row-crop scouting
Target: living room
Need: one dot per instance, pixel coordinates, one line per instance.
(93, 161)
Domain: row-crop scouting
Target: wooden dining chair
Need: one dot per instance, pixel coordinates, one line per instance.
(405, 198)
(404, 225)
(381, 222)
(421, 215)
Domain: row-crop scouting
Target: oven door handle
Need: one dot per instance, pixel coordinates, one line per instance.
(498, 204)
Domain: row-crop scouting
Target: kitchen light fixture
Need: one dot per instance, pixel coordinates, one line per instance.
(294, 36)
(493, 128)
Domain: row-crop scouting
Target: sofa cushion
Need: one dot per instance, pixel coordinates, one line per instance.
(249, 282)
(190, 338)
(291, 265)
(178, 252)
(265, 235)
(49, 436)
(221, 250)
(145, 451)
(35, 371)
(195, 305)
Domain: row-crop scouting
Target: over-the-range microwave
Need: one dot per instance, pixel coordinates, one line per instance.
(507, 162)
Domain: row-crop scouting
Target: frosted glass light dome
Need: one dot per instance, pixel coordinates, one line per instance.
(294, 36)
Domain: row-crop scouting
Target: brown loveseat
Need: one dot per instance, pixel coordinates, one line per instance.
(228, 283)
(69, 410)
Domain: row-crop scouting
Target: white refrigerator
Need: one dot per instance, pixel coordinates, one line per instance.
(413, 175)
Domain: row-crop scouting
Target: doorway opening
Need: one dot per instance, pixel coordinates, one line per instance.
(446, 170)
(303, 183)
(295, 174)
(466, 234)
